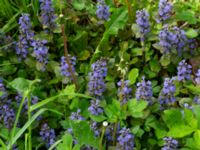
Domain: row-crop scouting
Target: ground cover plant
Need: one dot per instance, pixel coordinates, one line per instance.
(99, 75)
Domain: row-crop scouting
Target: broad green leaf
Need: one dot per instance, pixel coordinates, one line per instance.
(178, 124)
(152, 122)
(180, 131)
(192, 88)
(80, 41)
(83, 133)
(78, 4)
(76, 147)
(113, 111)
(186, 16)
(197, 114)
(191, 33)
(154, 65)
(133, 74)
(173, 117)
(165, 60)
(67, 142)
(20, 84)
(98, 118)
(190, 119)
(136, 108)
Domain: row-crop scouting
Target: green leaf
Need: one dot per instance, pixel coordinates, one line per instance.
(113, 111)
(197, 114)
(154, 65)
(98, 118)
(165, 60)
(133, 74)
(118, 21)
(80, 42)
(191, 33)
(186, 16)
(192, 88)
(87, 135)
(7, 68)
(20, 84)
(67, 142)
(78, 4)
(136, 108)
(178, 123)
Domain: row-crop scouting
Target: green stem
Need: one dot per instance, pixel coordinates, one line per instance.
(101, 139)
(143, 51)
(17, 117)
(129, 9)
(115, 133)
(29, 129)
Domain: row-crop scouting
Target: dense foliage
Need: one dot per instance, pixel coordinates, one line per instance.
(105, 74)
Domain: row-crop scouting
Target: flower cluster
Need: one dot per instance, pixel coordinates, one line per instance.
(167, 93)
(170, 144)
(197, 79)
(95, 108)
(3, 92)
(76, 115)
(7, 115)
(64, 68)
(193, 44)
(41, 52)
(164, 10)
(26, 36)
(173, 38)
(47, 134)
(184, 71)
(47, 14)
(125, 139)
(95, 128)
(144, 90)
(6, 43)
(124, 91)
(96, 85)
(181, 40)
(102, 11)
(142, 20)
(196, 100)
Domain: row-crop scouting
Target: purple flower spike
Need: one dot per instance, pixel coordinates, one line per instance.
(102, 11)
(47, 14)
(41, 52)
(25, 37)
(197, 79)
(125, 139)
(7, 115)
(172, 38)
(142, 20)
(144, 90)
(167, 93)
(164, 11)
(76, 115)
(95, 108)
(170, 144)
(64, 68)
(125, 92)
(184, 71)
(48, 135)
(96, 85)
